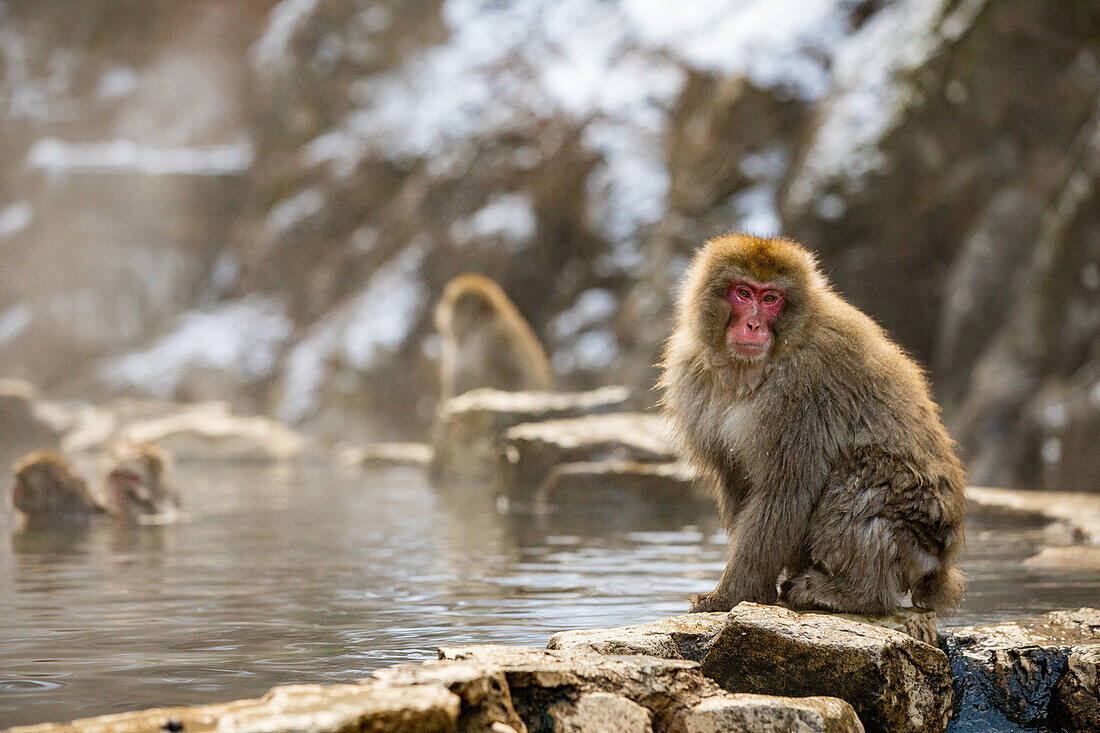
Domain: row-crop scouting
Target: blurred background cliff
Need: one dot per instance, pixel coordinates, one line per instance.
(260, 201)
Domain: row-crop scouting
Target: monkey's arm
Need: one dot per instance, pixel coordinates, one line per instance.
(765, 536)
(773, 509)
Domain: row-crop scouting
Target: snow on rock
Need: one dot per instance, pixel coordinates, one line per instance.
(15, 218)
(510, 217)
(592, 306)
(271, 50)
(869, 96)
(117, 83)
(243, 336)
(378, 319)
(291, 212)
(591, 351)
(14, 321)
(783, 44)
(616, 68)
(58, 158)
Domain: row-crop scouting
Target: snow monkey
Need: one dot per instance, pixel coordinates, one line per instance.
(136, 481)
(486, 342)
(830, 461)
(47, 491)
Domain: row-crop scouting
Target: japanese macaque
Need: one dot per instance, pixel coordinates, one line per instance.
(136, 481)
(829, 457)
(486, 342)
(48, 492)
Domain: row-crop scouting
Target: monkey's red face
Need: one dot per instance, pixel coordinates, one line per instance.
(753, 308)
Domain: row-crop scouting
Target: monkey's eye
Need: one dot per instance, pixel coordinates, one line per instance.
(743, 293)
(770, 298)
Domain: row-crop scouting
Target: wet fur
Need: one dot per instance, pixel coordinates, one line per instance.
(829, 456)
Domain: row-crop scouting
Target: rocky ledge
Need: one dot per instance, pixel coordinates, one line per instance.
(756, 669)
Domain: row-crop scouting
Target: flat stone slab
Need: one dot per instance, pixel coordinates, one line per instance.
(583, 691)
(299, 708)
(386, 455)
(692, 635)
(1081, 511)
(680, 637)
(1018, 672)
(209, 432)
(530, 450)
(610, 484)
(466, 435)
(1079, 557)
(895, 682)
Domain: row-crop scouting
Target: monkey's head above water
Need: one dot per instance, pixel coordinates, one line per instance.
(137, 481)
(746, 299)
(47, 486)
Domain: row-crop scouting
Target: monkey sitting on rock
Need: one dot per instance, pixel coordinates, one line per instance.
(830, 460)
(486, 341)
(47, 491)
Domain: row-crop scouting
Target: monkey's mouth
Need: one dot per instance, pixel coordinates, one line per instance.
(749, 349)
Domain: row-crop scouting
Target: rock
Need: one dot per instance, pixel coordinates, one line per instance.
(23, 426)
(692, 635)
(552, 689)
(1076, 702)
(300, 708)
(1006, 672)
(538, 677)
(208, 432)
(486, 699)
(338, 708)
(529, 451)
(894, 682)
(1080, 510)
(382, 455)
(467, 430)
(915, 622)
(610, 484)
(680, 637)
(600, 712)
(768, 714)
(1085, 557)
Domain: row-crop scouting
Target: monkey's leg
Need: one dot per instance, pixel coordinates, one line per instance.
(866, 577)
(765, 536)
(861, 549)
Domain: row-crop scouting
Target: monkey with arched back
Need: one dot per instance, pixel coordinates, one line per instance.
(831, 464)
(486, 341)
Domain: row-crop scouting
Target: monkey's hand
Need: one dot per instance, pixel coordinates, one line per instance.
(712, 601)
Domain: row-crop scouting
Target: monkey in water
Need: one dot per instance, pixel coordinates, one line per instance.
(137, 482)
(486, 342)
(47, 491)
(830, 460)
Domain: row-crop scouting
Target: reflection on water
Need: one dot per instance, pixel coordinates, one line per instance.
(313, 575)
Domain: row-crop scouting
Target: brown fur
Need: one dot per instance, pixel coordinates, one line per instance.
(47, 490)
(486, 342)
(150, 492)
(829, 455)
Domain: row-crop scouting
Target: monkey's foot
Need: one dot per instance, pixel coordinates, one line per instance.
(816, 591)
(705, 602)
